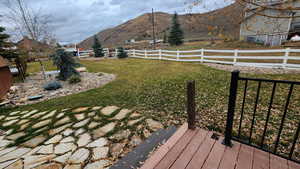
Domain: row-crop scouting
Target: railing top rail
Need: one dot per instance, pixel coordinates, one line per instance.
(272, 81)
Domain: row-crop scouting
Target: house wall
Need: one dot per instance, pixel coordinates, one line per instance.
(6, 81)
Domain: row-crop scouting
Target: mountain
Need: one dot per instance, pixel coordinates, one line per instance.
(224, 21)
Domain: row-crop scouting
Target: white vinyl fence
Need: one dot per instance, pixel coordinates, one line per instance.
(271, 58)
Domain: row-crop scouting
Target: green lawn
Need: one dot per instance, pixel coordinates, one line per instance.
(158, 87)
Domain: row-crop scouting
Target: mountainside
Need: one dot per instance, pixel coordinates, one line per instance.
(223, 22)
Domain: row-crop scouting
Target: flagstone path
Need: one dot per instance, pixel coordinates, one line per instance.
(85, 137)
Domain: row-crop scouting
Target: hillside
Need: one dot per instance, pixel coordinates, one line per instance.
(225, 21)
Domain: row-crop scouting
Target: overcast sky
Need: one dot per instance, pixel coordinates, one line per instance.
(75, 20)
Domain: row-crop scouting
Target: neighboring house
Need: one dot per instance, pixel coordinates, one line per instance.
(270, 31)
(130, 41)
(5, 77)
(34, 48)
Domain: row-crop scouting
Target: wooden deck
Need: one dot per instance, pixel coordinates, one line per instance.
(195, 149)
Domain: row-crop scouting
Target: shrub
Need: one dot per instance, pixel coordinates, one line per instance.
(121, 53)
(54, 85)
(74, 79)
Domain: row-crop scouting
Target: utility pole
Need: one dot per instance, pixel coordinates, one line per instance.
(153, 25)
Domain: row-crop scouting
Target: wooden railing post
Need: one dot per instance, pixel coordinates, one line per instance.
(286, 57)
(145, 53)
(231, 107)
(191, 110)
(202, 55)
(160, 54)
(178, 55)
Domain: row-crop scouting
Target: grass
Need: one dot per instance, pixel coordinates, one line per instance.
(158, 87)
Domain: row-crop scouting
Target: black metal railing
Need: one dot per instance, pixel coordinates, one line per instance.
(237, 136)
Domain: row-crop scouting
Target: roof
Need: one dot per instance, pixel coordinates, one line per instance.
(3, 62)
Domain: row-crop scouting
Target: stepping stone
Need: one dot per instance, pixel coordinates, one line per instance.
(67, 140)
(7, 150)
(33, 151)
(42, 123)
(135, 114)
(23, 121)
(73, 166)
(34, 141)
(14, 113)
(98, 164)
(79, 117)
(29, 114)
(39, 114)
(46, 149)
(57, 130)
(24, 126)
(11, 118)
(96, 108)
(54, 139)
(60, 115)
(154, 125)
(120, 135)
(93, 125)
(109, 110)
(67, 132)
(62, 121)
(80, 109)
(50, 166)
(122, 114)
(7, 163)
(133, 122)
(49, 114)
(33, 161)
(84, 139)
(100, 152)
(82, 123)
(92, 114)
(79, 156)
(16, 136)
(64, 147)
(116, 149)
(16, 165)
(9, 123)
(98, 143)
(4, 143)
(63, 158)
(104, 130)
(79, 131)
(14, 154)
(41, 129)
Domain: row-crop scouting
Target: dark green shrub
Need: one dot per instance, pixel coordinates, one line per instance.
(74, 79)
(121, 53)
(54, 85)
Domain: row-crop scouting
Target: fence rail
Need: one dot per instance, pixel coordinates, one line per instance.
(271, 58)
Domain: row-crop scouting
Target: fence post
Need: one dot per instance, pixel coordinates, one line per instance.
(116, 52)
(178, 54)
(231, 107)
(191, 105)
(133, 53)
(160, 54)
(236, 54)
(202, 55)
(146, 53)
(286, 57)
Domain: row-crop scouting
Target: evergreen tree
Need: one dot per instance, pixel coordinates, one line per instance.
(65, 63)
(165, 37)
(176, 34)
(97, 48)
(4, 45)
(121, 53)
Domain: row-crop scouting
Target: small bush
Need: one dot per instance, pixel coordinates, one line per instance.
(54, 85)
(74, 79)
(121, 53)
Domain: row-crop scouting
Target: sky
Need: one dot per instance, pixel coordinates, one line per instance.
(75, 20)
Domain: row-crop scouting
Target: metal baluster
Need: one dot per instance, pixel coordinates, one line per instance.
(268, 115)
(294, 142)
(283, 118)
(254, 113)
(243, 105)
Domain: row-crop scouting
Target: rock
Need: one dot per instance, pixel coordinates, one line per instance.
(154, 125)
(16, 136)
(109, 110)
(34, 141)
(146, 133)
(38, 114)
(135, 141)
(50, 166)
(92, 114)
(64, 147)
(54, 139)
(104, 130)
(7, 150)
(120, 135)
(99, 164)
(133, 122)
(79, 131)
(13, 89)
(116, 149)
(51, 114)
(63, 158)
(16, 165)
(57, 130)
(67, 140)
(81, 69)
(9, 123)
(83, 140)
(96, 108)
(46, 149)
(67, 132)
(62, 121)
(33, 151)
(82, 123)
(7, 163)
(80, 109)
(100, 152)
(4, 143)
(60, 115)
(73, 166)
(79, 116)
(33, 161)
(122, 114)
(42, 123)
(79, 156)
(14, 154)
(98, 143)
(93, 125)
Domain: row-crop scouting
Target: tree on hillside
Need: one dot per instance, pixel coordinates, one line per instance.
(176, 33)
(97, 48)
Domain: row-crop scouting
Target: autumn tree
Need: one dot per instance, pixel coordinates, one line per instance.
(176, 34)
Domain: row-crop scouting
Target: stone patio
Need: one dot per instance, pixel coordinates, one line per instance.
(85, 137)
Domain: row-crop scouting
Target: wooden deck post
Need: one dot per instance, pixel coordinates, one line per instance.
(191, 105)
(231, 108)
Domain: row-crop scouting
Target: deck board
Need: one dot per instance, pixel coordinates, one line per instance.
(195, 149)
